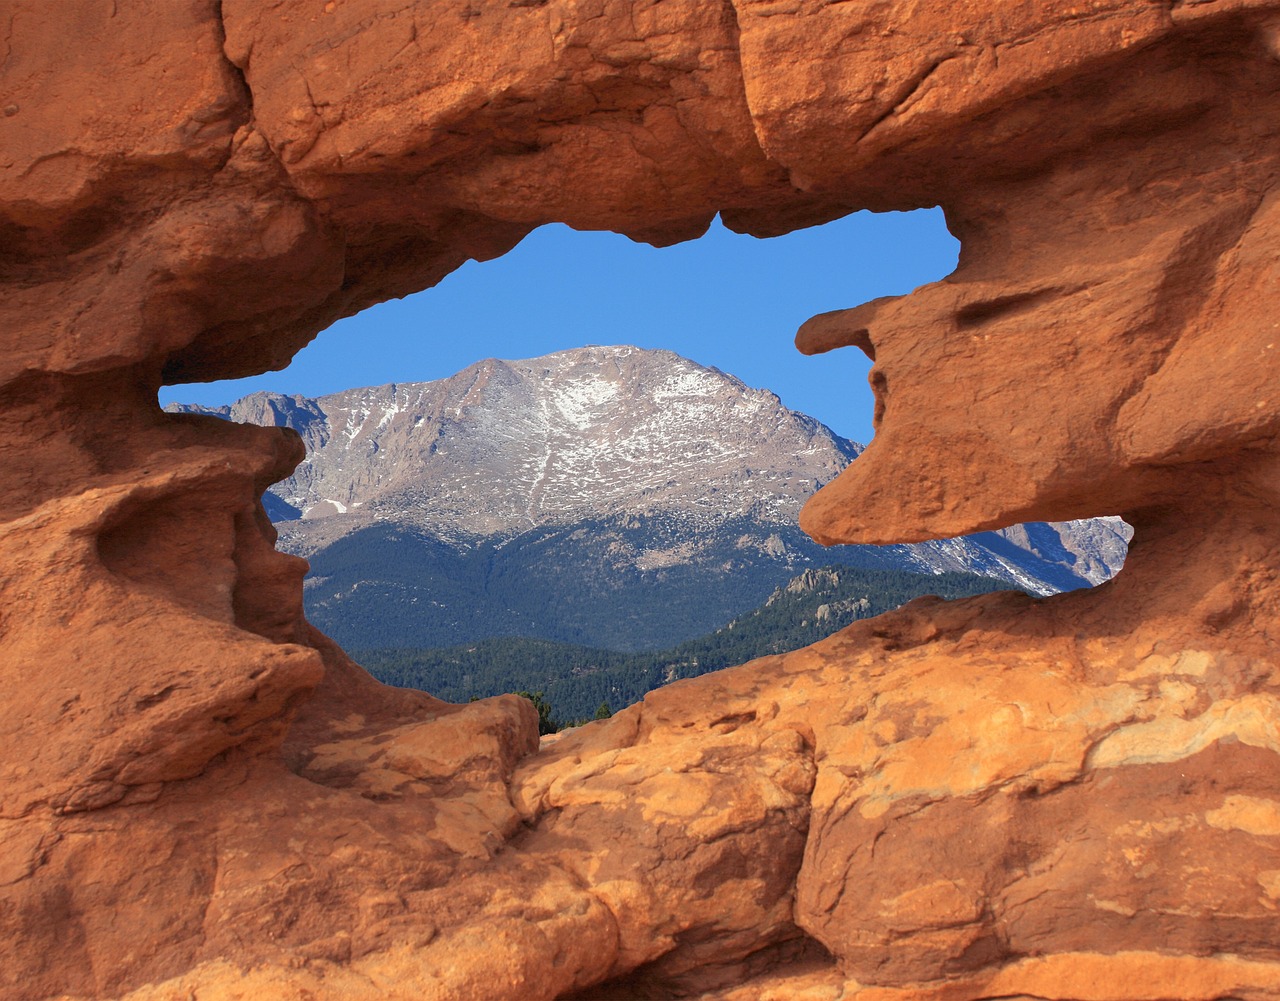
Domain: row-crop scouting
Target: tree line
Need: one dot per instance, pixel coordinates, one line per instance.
(573, 684)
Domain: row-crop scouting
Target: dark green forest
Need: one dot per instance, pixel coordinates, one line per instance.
(577, 682)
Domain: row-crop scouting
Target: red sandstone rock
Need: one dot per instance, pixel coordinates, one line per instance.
(1073, 798)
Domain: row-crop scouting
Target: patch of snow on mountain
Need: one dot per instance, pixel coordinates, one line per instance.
(582, 401)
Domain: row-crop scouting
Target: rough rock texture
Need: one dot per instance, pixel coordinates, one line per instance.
(1073, 798)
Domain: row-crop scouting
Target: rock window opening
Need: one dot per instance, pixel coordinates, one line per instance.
(621, 509)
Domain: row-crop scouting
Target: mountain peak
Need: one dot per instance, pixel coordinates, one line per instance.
(506, 445)
(666, 463)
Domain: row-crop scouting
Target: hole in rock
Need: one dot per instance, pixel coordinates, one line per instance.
(614, 505)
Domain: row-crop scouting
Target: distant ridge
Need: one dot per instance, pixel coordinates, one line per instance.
(610, 496)
(505, 446)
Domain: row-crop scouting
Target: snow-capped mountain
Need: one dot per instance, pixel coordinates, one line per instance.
(642, 463)
(505, 446)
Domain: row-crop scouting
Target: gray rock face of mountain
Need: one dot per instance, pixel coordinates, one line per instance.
(606, 442)
(1093, 549)
(505, 446)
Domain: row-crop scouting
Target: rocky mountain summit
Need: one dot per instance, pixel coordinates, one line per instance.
(505, 446)
(610, 477)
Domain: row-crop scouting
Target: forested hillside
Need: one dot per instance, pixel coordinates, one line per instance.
(576, 680)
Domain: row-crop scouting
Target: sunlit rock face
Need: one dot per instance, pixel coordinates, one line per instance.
(1070, 798)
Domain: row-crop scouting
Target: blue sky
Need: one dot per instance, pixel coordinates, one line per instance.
(725, 300)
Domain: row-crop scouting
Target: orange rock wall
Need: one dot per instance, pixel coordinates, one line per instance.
(1073, 798)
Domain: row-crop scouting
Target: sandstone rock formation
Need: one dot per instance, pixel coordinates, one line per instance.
(1073, 798)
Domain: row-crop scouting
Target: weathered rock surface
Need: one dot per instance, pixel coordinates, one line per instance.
(1071, 798)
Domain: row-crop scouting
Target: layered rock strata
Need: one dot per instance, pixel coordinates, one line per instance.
(1070, 798)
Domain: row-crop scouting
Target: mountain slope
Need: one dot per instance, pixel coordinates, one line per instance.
(577, 679)
(609, 496)
(505, 446)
